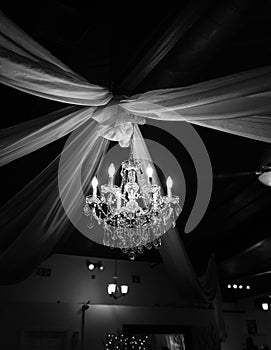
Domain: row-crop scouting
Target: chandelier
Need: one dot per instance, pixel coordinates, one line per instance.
(114, 289)
(135, 214)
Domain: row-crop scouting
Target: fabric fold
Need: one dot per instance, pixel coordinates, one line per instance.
(238, 104)
(22, 139)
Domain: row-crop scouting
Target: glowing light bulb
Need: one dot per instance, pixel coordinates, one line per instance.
(124, 289)
(91, 266)
(169, 186)
(235, 286)
(229, 285)
(94, 184)
(265, 306)
(149, 171)
(111, 288)
(111, 173)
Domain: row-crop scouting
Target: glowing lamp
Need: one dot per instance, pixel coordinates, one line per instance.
(111, 288)
(91, 266)
(111, 170)
(124, 289)
(94, 182)
(149, 170)
(169, 186)
(265, 306)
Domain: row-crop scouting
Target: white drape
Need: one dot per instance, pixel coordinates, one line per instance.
(27, 66)
(22, 139)
(239, 104)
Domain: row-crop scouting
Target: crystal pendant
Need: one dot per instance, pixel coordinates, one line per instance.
(178, 209)
(91, 223)
(131, 255)
(87, 210)
(140, 249)
(156, 243)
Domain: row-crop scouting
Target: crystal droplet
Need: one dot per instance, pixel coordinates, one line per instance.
(91, 223)
(87, 210)
(131, 255)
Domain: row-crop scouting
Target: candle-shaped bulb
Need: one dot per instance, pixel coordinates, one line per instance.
(169, 186)
(169, 182)
(111, 170)
(149, 170)
(94, 184)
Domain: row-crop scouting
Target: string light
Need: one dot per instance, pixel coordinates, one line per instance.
(119, 342)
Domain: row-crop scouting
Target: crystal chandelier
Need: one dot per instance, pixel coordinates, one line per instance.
(134, 215)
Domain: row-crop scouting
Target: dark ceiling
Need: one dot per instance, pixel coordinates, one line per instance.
(111, 46)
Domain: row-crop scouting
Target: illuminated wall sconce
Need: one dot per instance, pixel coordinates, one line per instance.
(263, 303)
(94, 265)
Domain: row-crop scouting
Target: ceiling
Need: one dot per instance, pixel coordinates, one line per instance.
(111, 46)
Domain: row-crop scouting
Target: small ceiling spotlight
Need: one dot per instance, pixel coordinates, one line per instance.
(247, 287)
(235, 286)
(94, 265)
(229, 286)
(91, 266)
(240, 286)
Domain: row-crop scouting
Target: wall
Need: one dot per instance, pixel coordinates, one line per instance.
(99, 319)
(236, 317)
(55, 302)
(262, 318)
(71, 282)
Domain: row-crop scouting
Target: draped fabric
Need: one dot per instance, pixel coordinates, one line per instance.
(33, 221)
(28, 67)
(176, 259)
(238, 104)
(20, 140)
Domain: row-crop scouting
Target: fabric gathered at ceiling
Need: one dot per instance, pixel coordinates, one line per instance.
(237, 104)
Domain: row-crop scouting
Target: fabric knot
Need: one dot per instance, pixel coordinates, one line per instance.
(116, 124)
